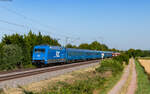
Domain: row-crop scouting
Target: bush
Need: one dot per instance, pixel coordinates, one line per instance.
(16, 50)
(110, 65)
(79, 87)
(122, 58)
(12, 55)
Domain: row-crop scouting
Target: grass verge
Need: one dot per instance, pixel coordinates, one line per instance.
(100, 81)
(110, 82)
(142, 79)
(101, 85)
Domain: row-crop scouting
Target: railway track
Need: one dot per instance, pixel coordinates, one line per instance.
(14, 75)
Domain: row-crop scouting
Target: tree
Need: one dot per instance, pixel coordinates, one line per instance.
(13, 39)
(39, 38)
(138, 53)
(104, 47)
(70, 46)
(12, 56)
(95, 45)
(26, 43)
(84, 46)
(115, 50)
(131, 53)
(1, 52)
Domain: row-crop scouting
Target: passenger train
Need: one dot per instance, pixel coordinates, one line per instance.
(45, 54)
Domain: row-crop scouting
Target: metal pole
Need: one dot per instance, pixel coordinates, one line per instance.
(67, 40)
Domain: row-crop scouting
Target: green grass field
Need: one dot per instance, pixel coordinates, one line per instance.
(142, 79)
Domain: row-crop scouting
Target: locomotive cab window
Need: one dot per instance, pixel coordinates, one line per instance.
(39, 50)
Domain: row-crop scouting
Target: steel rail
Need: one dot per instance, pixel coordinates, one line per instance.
(11, 76)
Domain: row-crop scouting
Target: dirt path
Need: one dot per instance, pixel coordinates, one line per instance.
(129, 74)
(133, 83)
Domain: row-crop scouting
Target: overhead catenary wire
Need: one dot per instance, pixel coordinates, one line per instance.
(66, 38)
(31, 19)
(27, 27)
(23, 26)
(25, 17)
(12, 30)
(15, 24)
(28, 18)
(18, 25)
(36, 22)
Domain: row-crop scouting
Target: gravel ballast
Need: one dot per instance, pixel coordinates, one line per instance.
(39, 77)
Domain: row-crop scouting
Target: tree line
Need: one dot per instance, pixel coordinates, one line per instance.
(93, 46)
(138, 53)
(16, 50)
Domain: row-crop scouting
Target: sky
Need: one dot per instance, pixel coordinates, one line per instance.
(121, 24)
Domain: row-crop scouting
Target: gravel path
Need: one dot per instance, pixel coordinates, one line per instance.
(116, 89)
(132, 85)
(39, 77)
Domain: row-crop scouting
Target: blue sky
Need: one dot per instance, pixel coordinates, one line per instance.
(121, 24)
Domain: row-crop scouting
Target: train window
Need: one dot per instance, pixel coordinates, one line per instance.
(39, 50)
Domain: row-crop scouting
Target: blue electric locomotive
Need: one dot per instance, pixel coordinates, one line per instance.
(45, 54)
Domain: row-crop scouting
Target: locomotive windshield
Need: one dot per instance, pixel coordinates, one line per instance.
(39, 50)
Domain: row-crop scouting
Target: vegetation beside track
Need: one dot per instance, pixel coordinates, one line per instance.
(22, 46)
(99, 81)
(142, 79)
(16, 50)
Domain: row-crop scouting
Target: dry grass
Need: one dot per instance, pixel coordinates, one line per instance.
(39, 86)
(145, 64)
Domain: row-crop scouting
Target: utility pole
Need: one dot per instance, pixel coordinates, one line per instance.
(102, 39)
(66, 40)
(58, 39)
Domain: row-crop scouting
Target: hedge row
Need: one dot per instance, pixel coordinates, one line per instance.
(122, 58)
(114, 65)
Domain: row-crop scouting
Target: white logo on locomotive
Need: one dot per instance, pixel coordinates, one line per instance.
(57, 54)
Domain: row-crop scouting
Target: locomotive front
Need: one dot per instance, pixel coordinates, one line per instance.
(39, 55)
